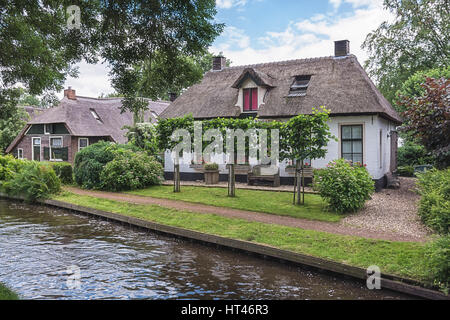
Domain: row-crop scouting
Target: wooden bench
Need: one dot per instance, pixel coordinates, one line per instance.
(264, 173)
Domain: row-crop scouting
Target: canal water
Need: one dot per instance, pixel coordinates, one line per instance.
(47, 253)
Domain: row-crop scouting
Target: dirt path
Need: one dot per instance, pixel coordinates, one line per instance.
(336, 228)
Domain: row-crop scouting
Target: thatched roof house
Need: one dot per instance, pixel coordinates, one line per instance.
(285, 89)
(339, 83)
(75, 123)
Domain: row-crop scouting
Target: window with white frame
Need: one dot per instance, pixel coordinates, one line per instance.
(352, 143)
(19, 153)
(56, 152)
(83, 143)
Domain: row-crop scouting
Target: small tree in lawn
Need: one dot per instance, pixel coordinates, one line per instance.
(305, 137)
(428, 119)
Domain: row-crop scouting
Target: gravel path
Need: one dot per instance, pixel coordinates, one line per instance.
(337, 228)
(393, 211)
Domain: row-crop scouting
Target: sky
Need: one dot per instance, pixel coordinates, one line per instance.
(258, 31)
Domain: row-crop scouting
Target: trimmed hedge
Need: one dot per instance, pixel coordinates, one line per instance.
(345, 186)
(434, 206)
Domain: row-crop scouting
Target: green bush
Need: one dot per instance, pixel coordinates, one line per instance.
(434, 205)
(33, 181)
(90, 161)
(406, 171)
(412, 154)
(211, 166)
(63, 170)
(131, 170)
(437, 262)
(344, 186)
(8, 166)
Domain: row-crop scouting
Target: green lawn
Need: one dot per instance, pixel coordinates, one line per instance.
(7, 294)
(401, 258)
(278, 203)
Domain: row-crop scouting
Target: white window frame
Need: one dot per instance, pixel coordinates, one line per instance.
(32, 147)
(87, 144)
(50, 147)
(340, 125)
(18, 153)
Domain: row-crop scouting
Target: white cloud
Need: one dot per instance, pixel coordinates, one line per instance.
(236, 38)
(312, 37)
(92, 81)
(227, 4)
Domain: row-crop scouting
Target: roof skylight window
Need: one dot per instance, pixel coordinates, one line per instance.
(299, 86)
(96, 116)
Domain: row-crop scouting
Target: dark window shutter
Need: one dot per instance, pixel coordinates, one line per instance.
(16, 153)
(65, 153)
(46, 153)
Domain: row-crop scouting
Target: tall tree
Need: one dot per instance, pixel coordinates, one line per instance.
(143, 32)
(428, 119)
(417, 40)
(39, 45)
(38, 49)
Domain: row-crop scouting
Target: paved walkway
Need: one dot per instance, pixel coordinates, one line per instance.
(335, 228)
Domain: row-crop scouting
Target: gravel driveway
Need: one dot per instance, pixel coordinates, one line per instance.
(393, 211)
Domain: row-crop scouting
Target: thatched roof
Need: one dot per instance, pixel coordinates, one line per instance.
(77, 116)
(339, 83)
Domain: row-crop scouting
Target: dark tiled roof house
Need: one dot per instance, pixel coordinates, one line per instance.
(361, 117)
(58, 133)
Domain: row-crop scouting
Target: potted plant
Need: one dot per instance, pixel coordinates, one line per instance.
(211, 172)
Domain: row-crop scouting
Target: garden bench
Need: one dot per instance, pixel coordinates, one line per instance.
(264, 173)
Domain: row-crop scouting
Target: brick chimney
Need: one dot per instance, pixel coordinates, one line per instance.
(219, 63)
(70, 93)
(341, 48)
(172, 96)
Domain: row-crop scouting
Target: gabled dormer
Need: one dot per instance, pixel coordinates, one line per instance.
(253, 86)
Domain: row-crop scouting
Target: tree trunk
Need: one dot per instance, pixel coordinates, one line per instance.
(176, 178)
(303, 183)
(295, 182)
(231, 181)
(299, 181)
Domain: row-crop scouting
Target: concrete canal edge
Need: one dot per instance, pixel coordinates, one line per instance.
(391, 282)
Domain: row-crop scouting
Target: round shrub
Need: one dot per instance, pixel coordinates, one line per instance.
(434, 205)
(345, 186)
(33, 181)
(90, 161)
(131, 170)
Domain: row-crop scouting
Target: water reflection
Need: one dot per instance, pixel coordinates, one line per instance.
(38, 244)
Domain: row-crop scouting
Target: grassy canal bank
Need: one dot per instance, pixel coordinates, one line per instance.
(277, 203)
(7, 294)
(398, 258)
